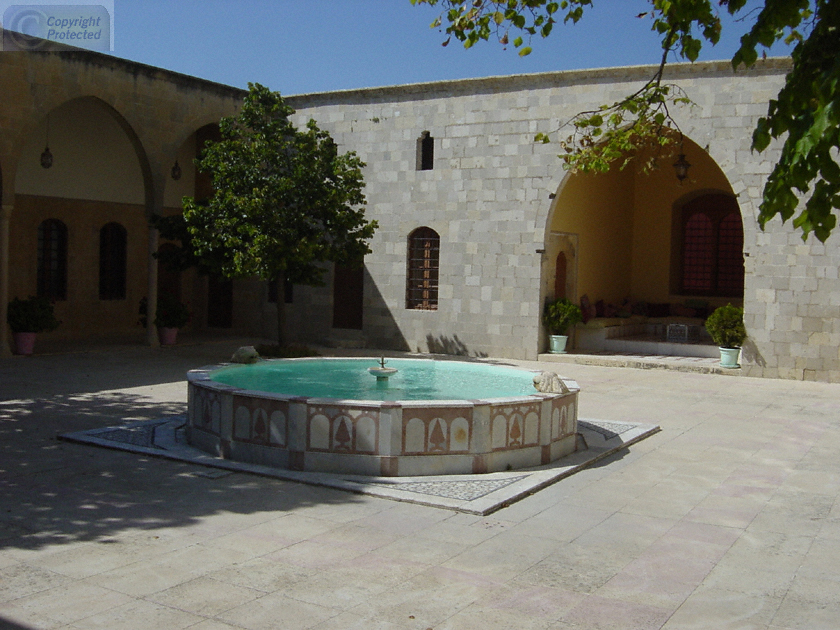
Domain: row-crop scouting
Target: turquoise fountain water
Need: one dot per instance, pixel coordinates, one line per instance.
(416, 379)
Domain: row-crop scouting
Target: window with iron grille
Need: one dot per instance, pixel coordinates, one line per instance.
(112, 262)
(52, 259)
(423, 269)
(712, 247)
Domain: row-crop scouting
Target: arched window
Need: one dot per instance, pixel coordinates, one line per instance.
(423, 269)
(52, 259)
(712, 245)
(425, 152)
(112, 262)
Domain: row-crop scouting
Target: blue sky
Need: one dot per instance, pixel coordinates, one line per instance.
(299, 46)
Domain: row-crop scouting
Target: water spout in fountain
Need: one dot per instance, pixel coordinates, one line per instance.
(382, 373)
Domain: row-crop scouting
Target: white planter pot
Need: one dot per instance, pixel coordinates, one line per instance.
(557, 344)
(729, 357)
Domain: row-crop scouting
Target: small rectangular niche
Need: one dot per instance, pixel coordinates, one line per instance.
(425, 152)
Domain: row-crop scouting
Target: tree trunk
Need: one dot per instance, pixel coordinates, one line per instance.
(281, 311)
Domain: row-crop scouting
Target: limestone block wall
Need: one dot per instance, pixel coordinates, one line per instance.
(489, 198)
(793, 314)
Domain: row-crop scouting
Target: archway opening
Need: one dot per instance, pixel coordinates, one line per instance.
(639, 255)
(98, 178)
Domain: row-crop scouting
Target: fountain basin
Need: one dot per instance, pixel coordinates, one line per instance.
(386, 437)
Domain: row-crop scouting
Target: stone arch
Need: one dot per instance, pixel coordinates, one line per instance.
(101, 174)
(38, 122)
(618, 227)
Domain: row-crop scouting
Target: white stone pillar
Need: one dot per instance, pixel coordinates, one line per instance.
(5, 217)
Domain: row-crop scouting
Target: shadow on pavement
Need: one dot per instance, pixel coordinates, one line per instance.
(53, 493)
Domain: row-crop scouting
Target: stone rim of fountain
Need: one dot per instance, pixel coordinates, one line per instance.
(381, 437)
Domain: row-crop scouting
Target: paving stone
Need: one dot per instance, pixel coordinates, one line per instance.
(130, 540)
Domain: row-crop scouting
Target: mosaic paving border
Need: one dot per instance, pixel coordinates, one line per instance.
(472, 494)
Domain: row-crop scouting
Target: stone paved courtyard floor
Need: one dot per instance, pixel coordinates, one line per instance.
(480, 494)
(727, 518)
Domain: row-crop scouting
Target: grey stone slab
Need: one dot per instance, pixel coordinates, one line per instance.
(475, 494)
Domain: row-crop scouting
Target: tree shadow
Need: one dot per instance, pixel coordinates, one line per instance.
(751, 353)
(7, 624)
(56, 493)
(443, 344)
(120, 367)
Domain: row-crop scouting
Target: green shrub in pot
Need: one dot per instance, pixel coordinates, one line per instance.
(32, 315)
(726, 326)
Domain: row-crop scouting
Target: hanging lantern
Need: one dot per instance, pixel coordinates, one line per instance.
(46, 158)
(176, 171)
(681, 167)
(46, 155)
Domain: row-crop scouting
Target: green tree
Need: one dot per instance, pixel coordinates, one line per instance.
(284, 200)
(805, 115)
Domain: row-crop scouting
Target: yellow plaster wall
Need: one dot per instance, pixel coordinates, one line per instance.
(624, 223)
(176, 190)
(599, 209)
(82, 311)
(657, 193)
(92, 157)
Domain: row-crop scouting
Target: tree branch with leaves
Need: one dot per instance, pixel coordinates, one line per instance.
(804, 115)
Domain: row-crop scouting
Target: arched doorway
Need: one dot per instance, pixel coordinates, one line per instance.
(219, 289)
(629, 233)
(169, 278)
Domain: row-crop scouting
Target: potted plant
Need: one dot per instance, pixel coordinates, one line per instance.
(170, 315)
(28, 317)
(726, 328)
(558, 315)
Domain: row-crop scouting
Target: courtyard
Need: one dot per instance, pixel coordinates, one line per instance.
(726, 518)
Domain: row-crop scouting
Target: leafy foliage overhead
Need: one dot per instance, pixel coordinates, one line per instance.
(805, 115)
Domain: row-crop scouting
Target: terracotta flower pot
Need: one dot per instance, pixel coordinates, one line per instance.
(24, 342)
(168, 336)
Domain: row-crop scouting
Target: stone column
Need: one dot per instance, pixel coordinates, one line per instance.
(151, 306)
(5, 217)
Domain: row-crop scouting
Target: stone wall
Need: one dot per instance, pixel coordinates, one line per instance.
(492, 196)
(489, 198)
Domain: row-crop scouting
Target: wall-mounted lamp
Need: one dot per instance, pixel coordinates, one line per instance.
(681, 167)
(176, 171)
(46, 155)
